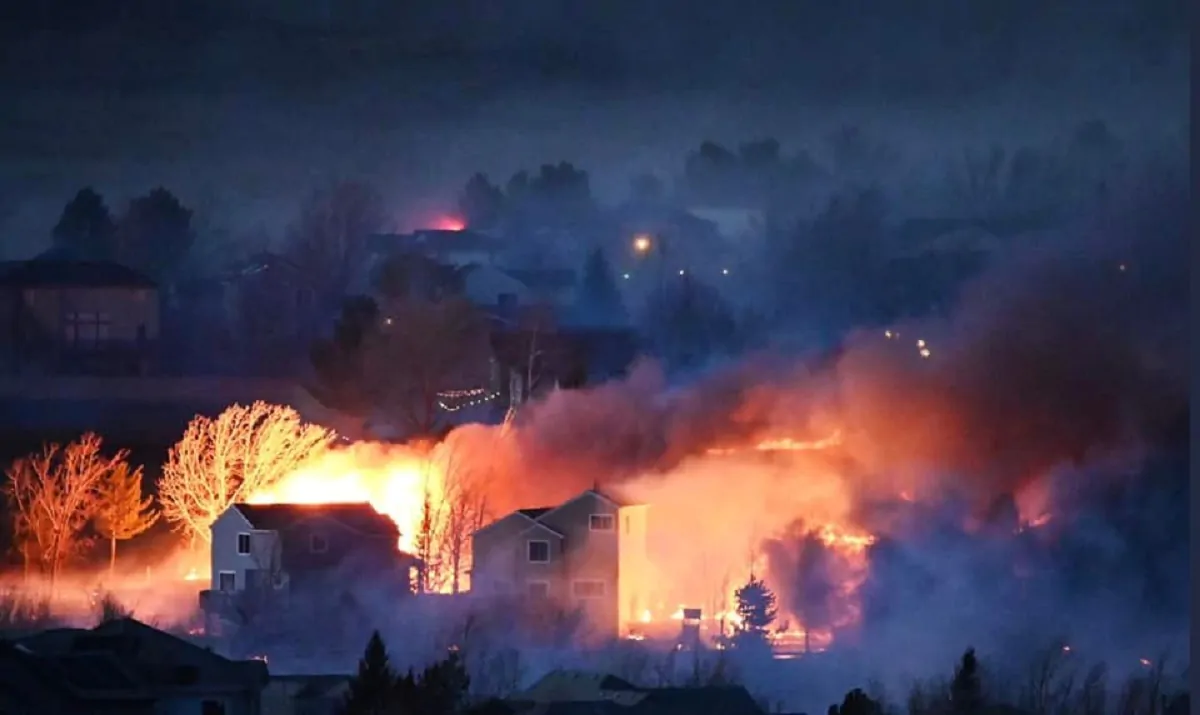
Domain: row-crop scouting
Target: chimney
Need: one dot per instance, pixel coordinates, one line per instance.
(689, 633)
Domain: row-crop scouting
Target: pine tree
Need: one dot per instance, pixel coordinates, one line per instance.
(966, 690)
(121, 511)
(86, 230)
(600, 299)
(373, 690)
(756, 610)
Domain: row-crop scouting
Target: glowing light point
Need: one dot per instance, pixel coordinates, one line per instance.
(625, 276)
(1121, 267)
(681, 271)
(920, 343)
(925, 352)
(888, 334)
(642, 243)
(724, 271)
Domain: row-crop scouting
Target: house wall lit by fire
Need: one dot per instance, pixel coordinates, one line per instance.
(277, 550)
(588, 554)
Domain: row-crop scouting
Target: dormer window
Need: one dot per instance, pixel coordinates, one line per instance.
(318, 544)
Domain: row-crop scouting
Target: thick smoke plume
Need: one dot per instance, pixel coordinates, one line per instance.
(1069, 348)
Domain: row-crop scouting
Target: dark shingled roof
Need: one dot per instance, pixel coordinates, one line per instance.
(361, 517)
(65, 273)
(535, 513)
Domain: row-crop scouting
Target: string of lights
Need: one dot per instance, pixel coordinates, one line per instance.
(454, 394)
(479, 400)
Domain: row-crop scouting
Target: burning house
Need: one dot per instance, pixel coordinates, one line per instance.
(279, 550)
(588, 553)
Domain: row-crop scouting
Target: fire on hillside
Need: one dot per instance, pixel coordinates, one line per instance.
(428, 488)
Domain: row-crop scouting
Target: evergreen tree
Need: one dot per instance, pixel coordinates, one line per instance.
(85, 230)
(966, 690)
(440, 689)
(756, 610)
(373, 690)
(599, 297)
(155, 234)
(121, 511)
(856, 702)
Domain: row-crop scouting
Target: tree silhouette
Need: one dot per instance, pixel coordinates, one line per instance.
(599, 299)
(155, 233)
(373, 689)
(328, 242)
(966, 690)
(689, 322)
(481, 202)
(86, 229)
(121, 512)
(397, 358)
(857, 702)
(755, 607)
(440, 689)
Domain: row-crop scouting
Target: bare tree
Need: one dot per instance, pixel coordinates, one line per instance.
(54, 495)
(219, 462)
(121, 511)
(465, 498)
(328, 242)
(421, 350)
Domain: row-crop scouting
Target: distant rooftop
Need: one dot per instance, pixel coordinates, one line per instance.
(45, 273)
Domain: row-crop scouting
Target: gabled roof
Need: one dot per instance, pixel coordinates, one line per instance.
(536, 515)
(42, 273)
(360, 517)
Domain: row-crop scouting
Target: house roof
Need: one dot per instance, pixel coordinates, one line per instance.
(563, 692)
(360, 517)
(129, 656)
(69, 274)
(536, 515)
(552, 279)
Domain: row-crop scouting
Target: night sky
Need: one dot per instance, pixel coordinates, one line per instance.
(243, 106)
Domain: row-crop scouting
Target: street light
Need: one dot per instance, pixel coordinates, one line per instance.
(642, 244)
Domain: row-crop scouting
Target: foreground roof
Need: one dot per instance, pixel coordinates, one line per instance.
(360, 517)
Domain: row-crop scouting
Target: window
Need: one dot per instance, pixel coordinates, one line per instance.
(587, 589)
(86, 327)
(243, 544)
(539, 552)
(212, 707)
(227, 581)
(318, 544)
(601, 522)
(626, 520)
(538, 589)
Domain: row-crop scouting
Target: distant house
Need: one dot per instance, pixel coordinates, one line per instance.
(564, 692)
(275, 550)
(455, 248)
(65, 316)
(124, 666)
(588, 554)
